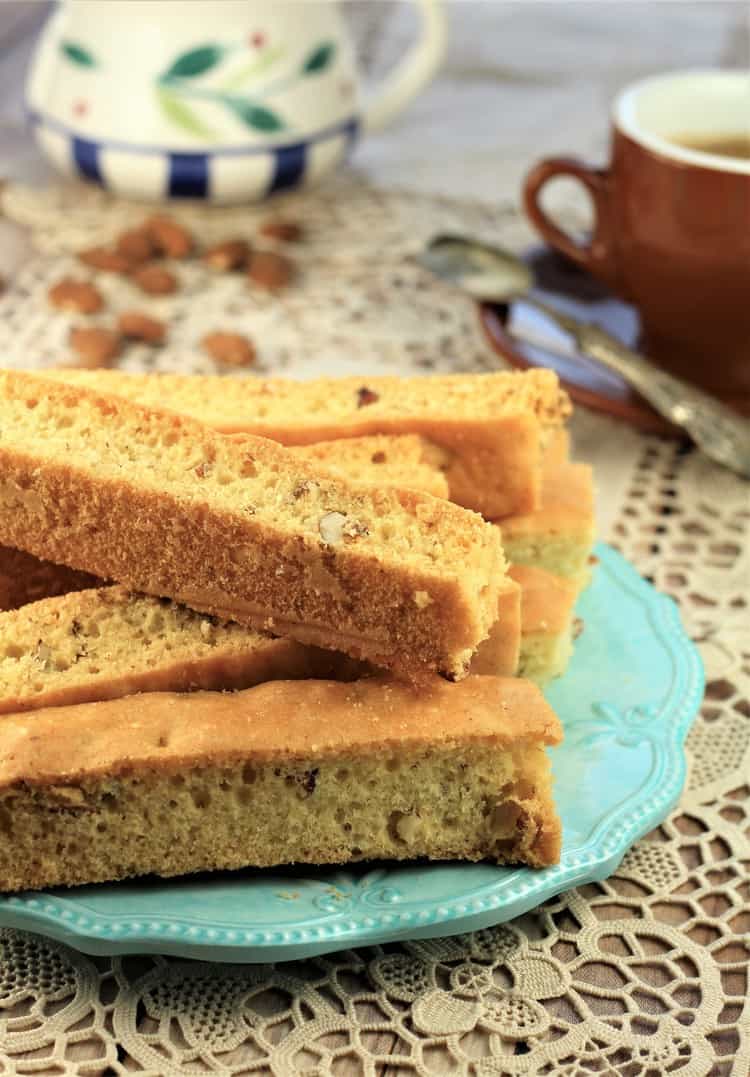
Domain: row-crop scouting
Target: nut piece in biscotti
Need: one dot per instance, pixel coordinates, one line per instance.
(228, 255)
(231, 349)
(164, 505)
(140, 326)
(94, 345)
(284, 230)
(270, 270)
(155, 279)
(106, 642)
(106, 260)
(490, 429)
(265, 777)
(169, 236)
(136, 245)
(77, 295)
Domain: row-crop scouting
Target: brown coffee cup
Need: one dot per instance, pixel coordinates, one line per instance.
(672, 222)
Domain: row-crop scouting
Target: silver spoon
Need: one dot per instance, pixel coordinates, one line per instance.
(492, 274)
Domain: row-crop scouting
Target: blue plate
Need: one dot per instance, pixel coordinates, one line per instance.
(626, 702)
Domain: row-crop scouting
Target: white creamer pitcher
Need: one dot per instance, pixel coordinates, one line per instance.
(226, 100)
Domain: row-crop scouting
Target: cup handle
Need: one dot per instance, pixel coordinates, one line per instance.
(414, 71)
(597, 256)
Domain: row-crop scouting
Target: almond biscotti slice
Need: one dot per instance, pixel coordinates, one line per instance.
(24, 578)
(105, 643)
(243, 529)
(288, 772)
(405, 461)
(492, 427)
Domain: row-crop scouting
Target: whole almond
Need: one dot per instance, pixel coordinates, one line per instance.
(231, 254)
(270, 270)
(139, 326)
(232, 349)
(169, 237)
(286, 231)
(136, 245)
(78, 295)
(94, 346)
(106, 260)
(155, 280)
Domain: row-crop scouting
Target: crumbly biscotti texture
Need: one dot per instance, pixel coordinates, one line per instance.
(492, 427)
(243, 529)
(106, 642)
(560, 534)
(547, 608)
(406, 461)
(24, 578)
(307, 772)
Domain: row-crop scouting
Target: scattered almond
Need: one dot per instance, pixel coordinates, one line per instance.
(133, 323)
(106, 260)
(136, 245)
(95, 346)
(286, 231)
(169, 237)
(155, 280)
(231, 254)
(77, 295)
(270, 270)
(230, 348)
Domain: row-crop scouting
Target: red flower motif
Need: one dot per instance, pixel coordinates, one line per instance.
(80, 108)
(258, 39)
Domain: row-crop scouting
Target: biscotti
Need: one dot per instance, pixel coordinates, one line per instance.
(547, 607)
(24, 578)
(559, 536)
(243, 529)
(492, 427)
(289, 772)
(105, 643)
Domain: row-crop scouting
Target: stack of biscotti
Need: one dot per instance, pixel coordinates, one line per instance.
(233, 544)
(498, 441)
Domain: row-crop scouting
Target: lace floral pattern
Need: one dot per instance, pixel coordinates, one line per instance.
(645, 973)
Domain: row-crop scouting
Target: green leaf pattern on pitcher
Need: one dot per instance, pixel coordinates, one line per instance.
(183, 81)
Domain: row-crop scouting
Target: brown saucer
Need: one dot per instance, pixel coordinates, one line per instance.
(588, 382)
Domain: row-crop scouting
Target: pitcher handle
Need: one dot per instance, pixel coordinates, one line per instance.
(414, 71)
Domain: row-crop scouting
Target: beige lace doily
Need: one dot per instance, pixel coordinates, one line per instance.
(644, 974)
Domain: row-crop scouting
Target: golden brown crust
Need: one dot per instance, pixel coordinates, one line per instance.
(423, 604)
(280, 720)
(489, 424)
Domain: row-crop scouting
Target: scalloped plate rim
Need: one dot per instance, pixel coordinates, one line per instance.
(109, 934)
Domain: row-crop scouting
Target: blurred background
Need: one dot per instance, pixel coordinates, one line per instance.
(520, 81)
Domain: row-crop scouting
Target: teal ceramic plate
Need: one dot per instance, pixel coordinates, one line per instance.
(626, 702)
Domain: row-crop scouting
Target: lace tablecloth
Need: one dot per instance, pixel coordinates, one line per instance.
(646, 973)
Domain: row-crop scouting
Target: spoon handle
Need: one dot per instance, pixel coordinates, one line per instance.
(720, 432)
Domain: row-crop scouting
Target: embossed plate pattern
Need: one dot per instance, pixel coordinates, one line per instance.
(627, 700)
